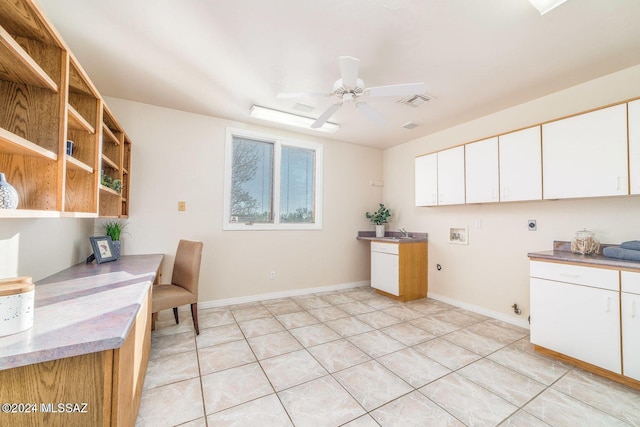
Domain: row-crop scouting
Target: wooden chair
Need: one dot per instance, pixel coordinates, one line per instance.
(183, 288)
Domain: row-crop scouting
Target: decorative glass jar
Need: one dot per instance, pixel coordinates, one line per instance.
(585, 243)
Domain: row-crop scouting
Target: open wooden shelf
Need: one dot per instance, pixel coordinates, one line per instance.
(11, 143)
(110, 135)
(76, 121)
(28, 213)
(16, 65)
(74, 163)
(107, 161)
(108, 190)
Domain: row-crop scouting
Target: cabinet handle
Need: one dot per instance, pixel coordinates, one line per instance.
(493, 194)
(608, 308)
(505, 193)
(633, 309)
(441, 199)
(618, 179)
(434, 198)
(571, 276)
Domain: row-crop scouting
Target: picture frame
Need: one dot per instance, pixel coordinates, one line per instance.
(102, 249)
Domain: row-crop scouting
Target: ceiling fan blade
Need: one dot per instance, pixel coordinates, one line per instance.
(349, 67)
(397, 90)
(287, 95)
(325, 116)
(371, 113)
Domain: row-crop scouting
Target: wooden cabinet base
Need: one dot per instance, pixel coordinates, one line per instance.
(589, 367)
(95, 389)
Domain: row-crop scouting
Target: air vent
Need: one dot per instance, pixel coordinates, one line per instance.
(410, 125)
(304, 107)
(415, 100)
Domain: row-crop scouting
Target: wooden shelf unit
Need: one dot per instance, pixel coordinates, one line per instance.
(46, 98)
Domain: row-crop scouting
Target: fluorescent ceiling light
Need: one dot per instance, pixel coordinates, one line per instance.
(276, 116)
(545, 6)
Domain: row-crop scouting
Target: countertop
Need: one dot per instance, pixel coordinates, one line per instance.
(84, 309)
(393, 236)
(562, 253)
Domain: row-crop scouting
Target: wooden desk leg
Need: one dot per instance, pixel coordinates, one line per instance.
(154, 317)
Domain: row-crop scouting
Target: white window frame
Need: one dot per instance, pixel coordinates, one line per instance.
(278, 142)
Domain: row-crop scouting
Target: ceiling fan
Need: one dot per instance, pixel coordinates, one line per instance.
(350, 88)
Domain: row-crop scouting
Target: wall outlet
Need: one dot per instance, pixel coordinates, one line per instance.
(533, 226)
(272, 275)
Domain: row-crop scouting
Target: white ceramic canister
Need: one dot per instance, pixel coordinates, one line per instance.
(16, 305)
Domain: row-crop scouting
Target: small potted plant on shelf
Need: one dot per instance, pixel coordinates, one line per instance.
(113, 229)
(379, 218)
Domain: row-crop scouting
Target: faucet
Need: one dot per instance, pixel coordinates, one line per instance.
(404, 232)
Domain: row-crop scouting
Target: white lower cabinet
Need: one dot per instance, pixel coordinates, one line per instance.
(385, 267)
(579, 321)
(575, 311)
(630, 299)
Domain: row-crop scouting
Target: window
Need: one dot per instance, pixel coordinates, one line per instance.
(271, 182)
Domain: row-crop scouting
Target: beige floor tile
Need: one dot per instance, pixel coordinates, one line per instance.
(558, 409)
(348, 326)
(523, 419)
(435, 326)
(337, 298)
(297, 320)
(414, 409)
(265, 411)
(506, 383)
(403, 312)
(413, 367)
(467, 401)
(372, 385)
(541, 369)
(448, 354)
(283, 307)
(363, 421)
(275, 344)
(213, 317)
(407, 334)
(498, 333)
(479, 344)
(171, 369)
(325, 314)
(356, 308)
(314, 334)
(224, 356)
(292, 369)
(310, 302)
(243, 313)
(234, 386)
(321, 402)
(338, 355)
(165, 345)
(263, 326)
(171, 404)
(219, 335)
(376, 343)
(615, 399)
(378, 319)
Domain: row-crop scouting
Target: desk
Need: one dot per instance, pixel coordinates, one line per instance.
(89, 343)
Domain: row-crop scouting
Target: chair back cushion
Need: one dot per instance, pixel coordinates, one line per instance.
(186, 269)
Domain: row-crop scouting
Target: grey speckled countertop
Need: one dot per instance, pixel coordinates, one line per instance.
(84, 309)
(393, 236)
(562, 253)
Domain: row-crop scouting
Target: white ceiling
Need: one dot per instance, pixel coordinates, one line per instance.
(219, 57)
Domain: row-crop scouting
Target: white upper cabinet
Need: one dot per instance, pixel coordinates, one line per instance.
(451, 176)
(426, 176)
(634, 146)
(520, 165)
(481, 166)
(586, 155)
(440, 178)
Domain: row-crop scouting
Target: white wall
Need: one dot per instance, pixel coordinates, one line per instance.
(41, 247)
(491, 273)
(178, 156)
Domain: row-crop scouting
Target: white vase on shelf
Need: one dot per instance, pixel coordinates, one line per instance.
(379, 230)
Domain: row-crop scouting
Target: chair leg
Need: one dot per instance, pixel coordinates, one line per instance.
(175, 314)
(194, 314)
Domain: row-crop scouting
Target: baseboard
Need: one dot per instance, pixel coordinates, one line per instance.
(480, 310)
(283, 294)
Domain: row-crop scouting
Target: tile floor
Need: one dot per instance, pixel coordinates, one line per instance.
(355, 358)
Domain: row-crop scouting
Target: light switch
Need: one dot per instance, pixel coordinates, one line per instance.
(182, 206)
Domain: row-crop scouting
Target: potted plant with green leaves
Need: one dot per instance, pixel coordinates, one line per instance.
(114, 229)
(379, 218)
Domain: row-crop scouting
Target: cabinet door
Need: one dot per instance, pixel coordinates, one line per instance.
(520, 165)
(631, 335)
(578, 321)
(634, 146)
(426, 176)
(586, 155)
(385, 273)
(481, 166)
(451, 176)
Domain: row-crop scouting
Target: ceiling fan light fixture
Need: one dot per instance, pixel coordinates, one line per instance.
(276, 116)
(545, 6)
